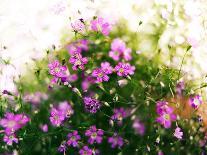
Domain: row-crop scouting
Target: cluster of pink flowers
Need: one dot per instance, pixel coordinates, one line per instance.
(91, 105)
(165, 114)
(119, 50)
(11, 123)
(59, 114)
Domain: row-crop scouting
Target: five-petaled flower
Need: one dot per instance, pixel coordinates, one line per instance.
(94, 134)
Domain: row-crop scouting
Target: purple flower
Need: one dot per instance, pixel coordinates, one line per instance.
(62, 147)
(78, 26)
(78, 61)
(12, 122)
(196, 101)
(85, 151)
(166, 115)
(178, 133)
(91, 105)
(56, 117)
(73, 138)
(138, 127)
(9, 139)
(56, 69)
(100, 75)
(87, 81)
(95, 135)
(119, 115)
(116, 141)
(65, 108)
(124, 69)
(35, 98)
(119, 50)
(100, 24)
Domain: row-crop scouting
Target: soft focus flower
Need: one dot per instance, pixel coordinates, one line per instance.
(122, 82)
(100, 24)
(85, 151)
(78, 61)
(73, 138)
(95, 135)
(44, 127)
(65, 108)
(119, 50)
(9, 139)
(196, 101)
(35, 98)
(13, 122)
(138, 127)
(87, 81)
(77, 26)
(56, 117)
(78, 47)
(116, 141)
(56, 69)
(180, 87)
(178, 133)
(106, 67)
(124, 69)
(91, 105)
(62, 147)
(166, 115)
(119, 115)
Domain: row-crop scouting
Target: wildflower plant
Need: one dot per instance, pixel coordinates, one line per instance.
(96, 95)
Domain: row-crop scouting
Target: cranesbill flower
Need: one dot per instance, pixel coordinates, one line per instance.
(119, 115)
(78, 26)
(116, 141)
(9, 139)
(100, 75)
(56, 117)
(13, 122)
(91, 105)
(56, 69)
(124, 69)
(94, 134)
(78, 61)
(178, 133)
(196, 101)
(101, 25)
(73, 138)
(166, 115)
(85, 151)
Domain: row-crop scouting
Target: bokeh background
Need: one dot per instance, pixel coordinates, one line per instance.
(29, 27)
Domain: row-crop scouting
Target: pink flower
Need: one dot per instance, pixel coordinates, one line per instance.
(119, 50)
(94, 134)
(78, 26)
(56, 69)
(56, 117)
(196, 101)
(100, 75)
(44, 127)
(9, 139)
(13, 122)
(124, 69)
(78, 47)
(66, 109)
(178, 133)
(166, 115)
(106, 67)
(78, 61)
(116, 141)
(100, 24)
(138, 127)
